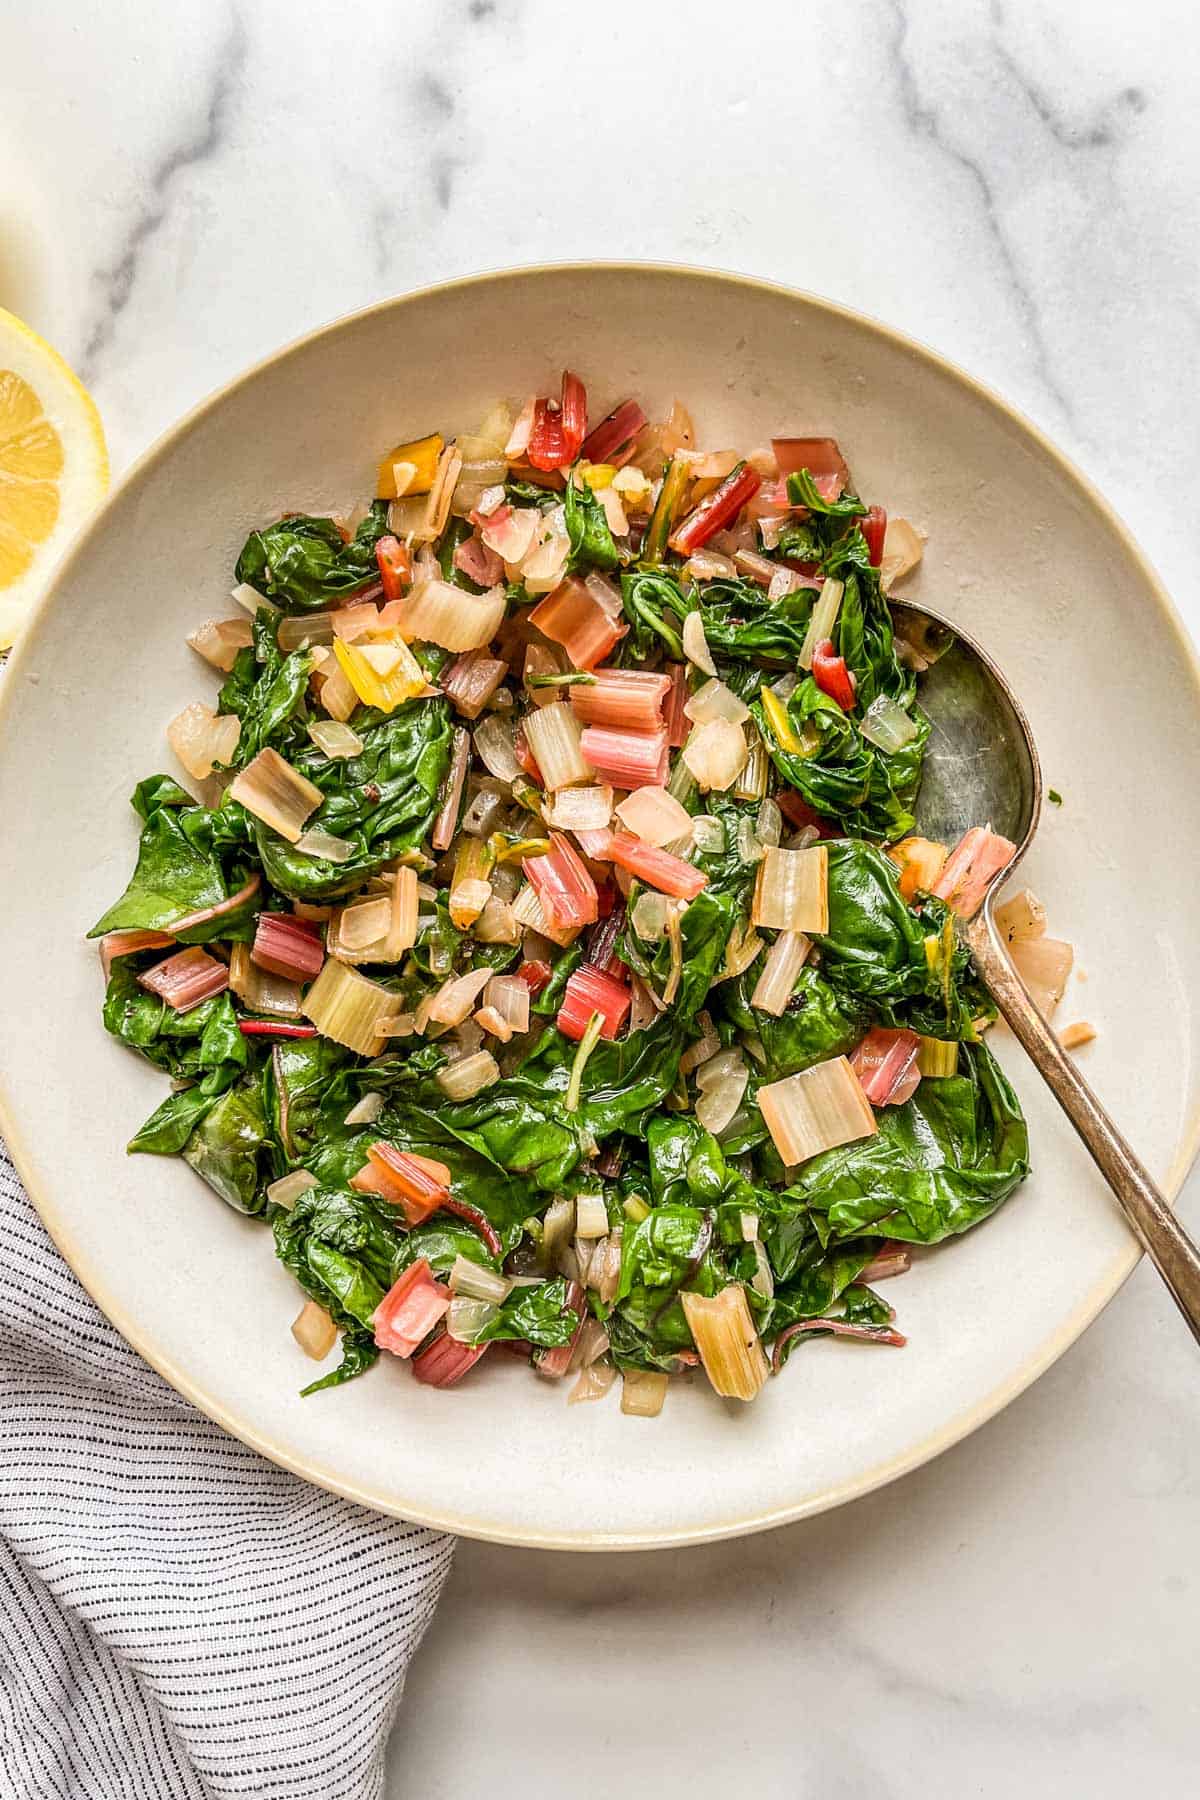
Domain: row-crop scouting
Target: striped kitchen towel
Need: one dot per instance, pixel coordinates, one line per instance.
(179, 1620)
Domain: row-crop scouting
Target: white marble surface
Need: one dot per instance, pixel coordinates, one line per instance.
(184, 189)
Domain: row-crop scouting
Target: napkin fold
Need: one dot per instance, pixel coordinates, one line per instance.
(179, 1619)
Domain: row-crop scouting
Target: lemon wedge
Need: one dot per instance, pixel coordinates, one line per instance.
(53, 466)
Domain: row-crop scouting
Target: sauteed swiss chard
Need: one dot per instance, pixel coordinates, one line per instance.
(549, 958)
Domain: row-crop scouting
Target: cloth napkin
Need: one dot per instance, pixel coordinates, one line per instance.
(179, 1620)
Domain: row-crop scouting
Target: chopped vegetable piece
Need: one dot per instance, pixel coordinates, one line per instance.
(563, 886)
(471, 681)
(219, 640)
(614, 435)
(334, 738)
(642, 1393)
(820, 456)
(395, 566)
(625, 759)
(777, 980)
(468, 1076)
(438, 613)
(314, 1331)
(1072, 1037)
(555, 740)
(920, 862)
(937, 1059)
(573, 617)
(791, 892)
(276, 793)
(288, 1189)
(818, 1109)
(202, 738)
(271, 1028)
(187, 978)
(724, 1334)
(382, 675)
(970, 869)
(287, 946)
(589, 990)
(874, 529)
(345, 1006)
(655, 816)
(409, 1311)
(445, 1361)
(716, 509)
(657, 868)
(832, 676)
(409, 468)
(886, 1063)
(557, 432)
(715, 754)
(128, 943)
(903, 549)
(1043, 964)
(417, 1184)
(887, 725)
(1023, 916)
(821, 624)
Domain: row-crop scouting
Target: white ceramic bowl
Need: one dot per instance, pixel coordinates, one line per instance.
(1021, 550)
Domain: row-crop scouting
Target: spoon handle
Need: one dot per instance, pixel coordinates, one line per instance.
(1168, 1245)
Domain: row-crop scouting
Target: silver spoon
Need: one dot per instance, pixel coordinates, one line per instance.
(981, 767)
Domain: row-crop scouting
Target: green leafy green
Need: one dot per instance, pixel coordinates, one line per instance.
(305, 564)
(224, 1147)
(178, 872)
(592, 542)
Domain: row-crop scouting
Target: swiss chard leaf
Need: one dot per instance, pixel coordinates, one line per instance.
(266, 690)
(538, 1314)
(592, 542)
(305, 564)
(224, 1147)
(178, 872)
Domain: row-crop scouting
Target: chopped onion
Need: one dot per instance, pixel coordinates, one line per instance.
(200, 737)
(467, 1318)
(496, 924)
(345, 1006)
(695, 644)
(1043, 964)
(439, 613)
(887, 725)
(791, 892)
(759, 568)
(643, 1392)
(595, 1380)
(334, 738)
(512, 533)
(709, 565)
(469, 1076)
(475, 1282)
(251, 600)
(903, 548)
(509, 996)
(1073, 1037)
(777, 979)
(305, 630)
(581, 809)
(337, 696)
(366, 1111)
(708, 835)
(219, 640)
(489, 1020)
(470, 682)
(768, 826)
(723, 1332)
(743, 946)
(722, 1082)
(314, 1331)
(477, 477)
(494, 748)
(591, 1216)
(716, 701)
(823, 620)
(649, 917)
(553, 735)
(655, 816)
(276, 793)
(288, 1189)
(454, 999)
(364, 923)
(545, 565)
(784, 581)
(324, 845)
(1023, 916)
(818, 1109)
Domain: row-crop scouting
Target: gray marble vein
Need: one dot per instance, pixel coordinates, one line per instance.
(199, 142)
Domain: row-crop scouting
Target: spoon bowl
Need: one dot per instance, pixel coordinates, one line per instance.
(982, 767)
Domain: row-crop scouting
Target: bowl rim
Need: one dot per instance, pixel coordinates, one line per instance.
(954, 1429)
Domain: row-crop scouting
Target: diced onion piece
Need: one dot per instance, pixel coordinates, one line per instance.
(489, 1020)
(543, 567)
(496, 924)
(314, 1331)
(708, 835)
(1023, 916)
(251, 599)
(723, 1332)
(1073, 1037)
(494, 748)
(716, 701)
(324, 845)
(903, 548)
(573, 617)
(937, 1059)
(554, 738)
(626, 759)
(655, 816)
(743, 947)
(454, 999)
(200, 737)
(470, 682)
(469, 1076)
(709, 565)
(288, 1189)
(643, 1392)
(823, 620)
(186, 979)
(630, 699)
(382, 675)
(818, 1109)
(595, 1380)
(695, 644)
(219, 640)
(276, 793)
(366, 1110)
(115, 944)
(591, 1216)
(920, 862)
(364, 923)
(509, 996)
(287, 946)
(716, 754)
(885, 1062)
(580, 809)
(468, 1317)
(970, 869)
(1043, 965)
(657, 868)
(760, 568)
(345, 1006)
(512, 533)
(334, 738)
(791, 892)
(563, 885)
(409, 1311)
(475, 1282)
(649, 917)
(439, 613)
(337, 696)
(722, 1082)
(307, 629)
(886, 724)
(589, 990)
(777, 978)
(470, 888)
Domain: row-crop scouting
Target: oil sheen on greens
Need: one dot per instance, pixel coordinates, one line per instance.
(247, 1110)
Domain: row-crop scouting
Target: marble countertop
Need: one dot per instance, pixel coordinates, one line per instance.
(1012, 182)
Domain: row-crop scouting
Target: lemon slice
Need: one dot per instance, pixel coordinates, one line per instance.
(53, 466)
